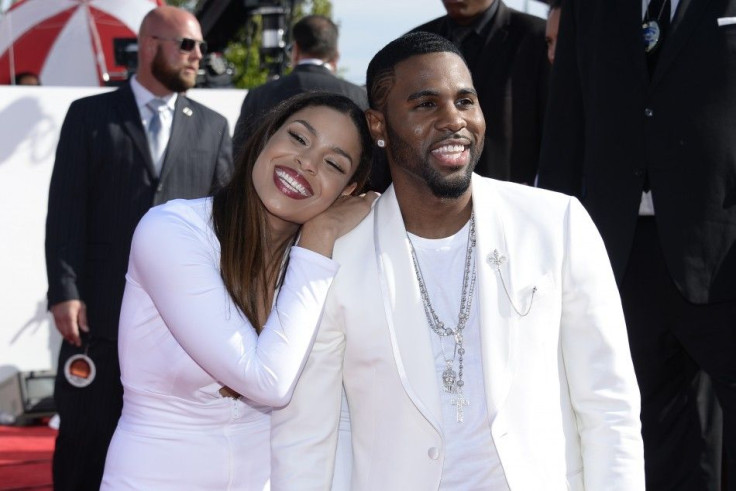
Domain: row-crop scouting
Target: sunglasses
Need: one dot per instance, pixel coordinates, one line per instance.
(186, 44)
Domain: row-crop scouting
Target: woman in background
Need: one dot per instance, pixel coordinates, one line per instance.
(223, 298)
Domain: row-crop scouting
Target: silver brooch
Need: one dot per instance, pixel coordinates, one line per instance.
(496, 259)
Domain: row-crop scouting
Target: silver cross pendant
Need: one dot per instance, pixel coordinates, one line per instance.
(459, 401)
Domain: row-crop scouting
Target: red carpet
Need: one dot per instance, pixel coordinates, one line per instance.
(25, 457)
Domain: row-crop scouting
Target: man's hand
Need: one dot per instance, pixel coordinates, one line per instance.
(70, 317)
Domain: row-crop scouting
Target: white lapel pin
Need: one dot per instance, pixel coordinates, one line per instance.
(496, 259)
(187, 111)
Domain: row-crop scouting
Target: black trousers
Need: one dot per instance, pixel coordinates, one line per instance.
(674, 343)
(88, 415)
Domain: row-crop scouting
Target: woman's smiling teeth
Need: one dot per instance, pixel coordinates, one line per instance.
(293, 182)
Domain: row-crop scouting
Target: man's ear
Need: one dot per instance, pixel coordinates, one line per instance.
(147, 47)
(376, 124)
(296, 54)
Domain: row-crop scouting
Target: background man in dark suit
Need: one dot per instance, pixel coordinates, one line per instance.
(643, 132)
(314, 57)
(506, 53)
(107, 174)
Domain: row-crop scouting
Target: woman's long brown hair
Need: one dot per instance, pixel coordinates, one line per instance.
(239, 216)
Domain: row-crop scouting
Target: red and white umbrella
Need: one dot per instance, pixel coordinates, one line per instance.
(68, 42)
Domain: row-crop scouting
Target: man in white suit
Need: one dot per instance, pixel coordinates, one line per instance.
(475, 324)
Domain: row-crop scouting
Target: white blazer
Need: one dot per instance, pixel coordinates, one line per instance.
(563, 403)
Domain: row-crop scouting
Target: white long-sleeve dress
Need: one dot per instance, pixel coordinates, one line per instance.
(182, 338)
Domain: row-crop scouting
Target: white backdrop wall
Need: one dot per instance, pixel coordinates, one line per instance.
(30, 121)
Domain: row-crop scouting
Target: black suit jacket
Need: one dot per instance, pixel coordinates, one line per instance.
(511, 77)
(104, 181)
(611, 126)
(303, 78)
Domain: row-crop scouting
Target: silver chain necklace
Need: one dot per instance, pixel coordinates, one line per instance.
(452, 381)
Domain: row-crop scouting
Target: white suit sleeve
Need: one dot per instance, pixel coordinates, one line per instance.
(602, 383)
(174, 261)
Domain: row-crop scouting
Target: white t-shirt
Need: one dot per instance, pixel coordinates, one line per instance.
(471, 460)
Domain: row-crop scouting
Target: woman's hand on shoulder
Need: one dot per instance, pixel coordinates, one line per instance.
(320, 233)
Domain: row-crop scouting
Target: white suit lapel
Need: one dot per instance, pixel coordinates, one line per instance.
(497, 317)
(412, 348)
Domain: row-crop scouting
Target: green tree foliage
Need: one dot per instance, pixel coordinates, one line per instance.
(185, 4)
(314, 7)
(243, 53)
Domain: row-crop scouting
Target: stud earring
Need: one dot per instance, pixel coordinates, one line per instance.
(380, 143)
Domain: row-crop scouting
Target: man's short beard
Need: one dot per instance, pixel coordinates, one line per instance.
(171, 78)
(440, 186)
(445, 188)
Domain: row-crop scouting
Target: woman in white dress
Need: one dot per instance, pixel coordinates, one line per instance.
(223, 298)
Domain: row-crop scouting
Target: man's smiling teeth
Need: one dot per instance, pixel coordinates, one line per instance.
(291, 182)
(446, 149)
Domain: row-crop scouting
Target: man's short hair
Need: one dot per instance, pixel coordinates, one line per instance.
(379, 77)
(316, 36)
(554, 4)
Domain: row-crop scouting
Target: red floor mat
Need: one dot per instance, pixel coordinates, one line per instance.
(25, 457)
